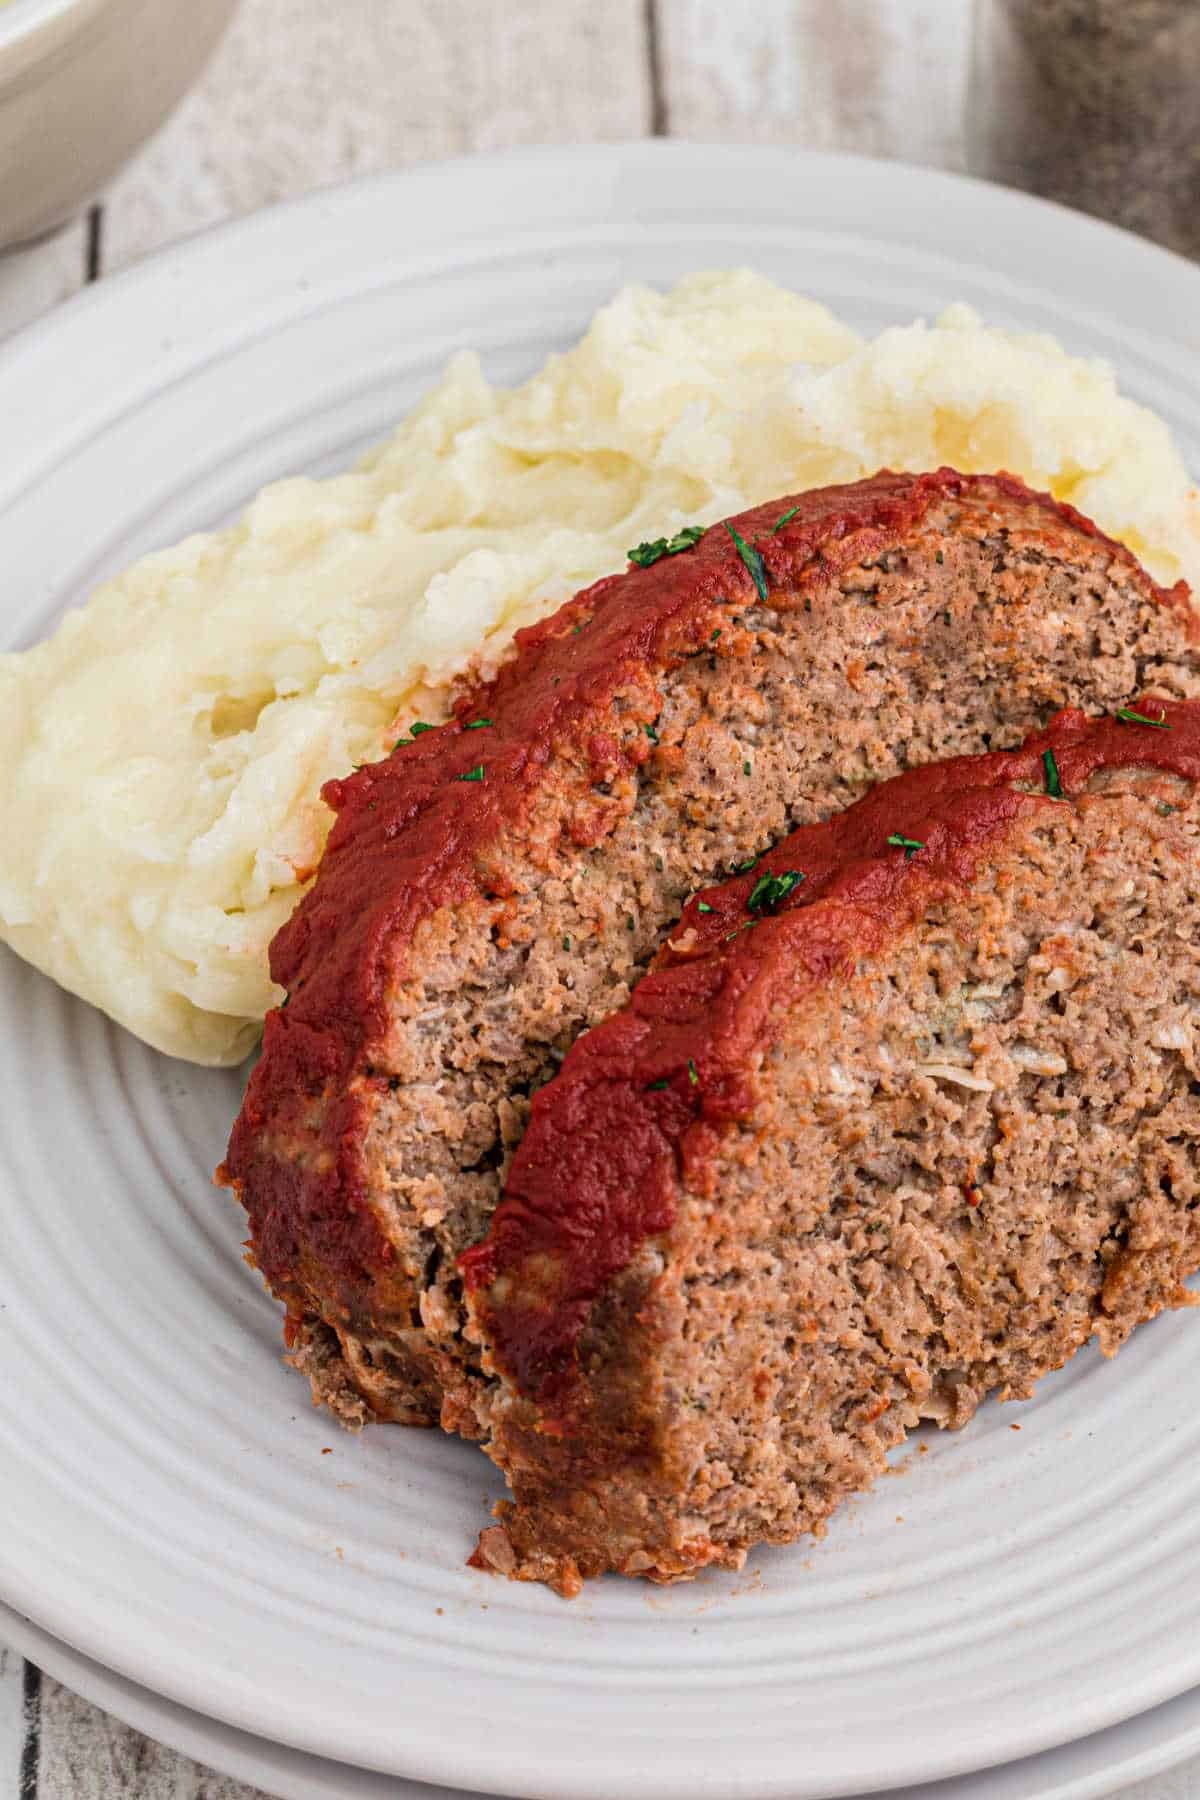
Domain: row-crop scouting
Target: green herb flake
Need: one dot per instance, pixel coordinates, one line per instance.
(939, 558)
(947, 619)
(566, 943)
(752, 560)
(703, 906)
(693, 1077)
(284, 1002)
(1127, 714)
(716, 634)
(658, 863)
(1166, 810)
(1053, 784)
(414, 732)
(476, 724)
(629, 922)
(910, 846)
(655, 548)
(651, 733)
(744, 868)
(769, 891)
(747, 769)
(656, 1087)
(475, 774)
(783, 518)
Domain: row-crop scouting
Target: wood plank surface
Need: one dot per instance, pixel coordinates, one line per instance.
(302, 93)
(12, 1720)
(34, 279)
(87, 1755)
(882, 77)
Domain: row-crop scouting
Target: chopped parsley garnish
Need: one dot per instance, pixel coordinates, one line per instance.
(692, 1075)
(939, 558)
(752, 560)
(744, 868)
(566, 943)
(1053, 784)
(414, 731)
(746, 769)
(476, 724)
(629, 922)
(703, 906)
(650, 733)
(1136, 718)
(475, 774)
(1166, 810)
(783, 518)
(657, 1086)
(770, 890)
(910, 846)
(655, 548)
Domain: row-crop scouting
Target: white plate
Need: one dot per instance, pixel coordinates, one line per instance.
(169, 1511)
(1104, 1764)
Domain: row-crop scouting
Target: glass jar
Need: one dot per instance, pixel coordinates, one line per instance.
(1095, 103)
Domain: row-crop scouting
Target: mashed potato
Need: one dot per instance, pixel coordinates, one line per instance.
(164, 751)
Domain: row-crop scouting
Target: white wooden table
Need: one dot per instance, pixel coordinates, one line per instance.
(305, 92)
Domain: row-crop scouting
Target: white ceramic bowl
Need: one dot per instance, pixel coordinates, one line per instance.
(82, 83)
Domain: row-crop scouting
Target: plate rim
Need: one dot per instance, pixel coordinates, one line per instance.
(246, 1757)
(98, 295)
(111, 296)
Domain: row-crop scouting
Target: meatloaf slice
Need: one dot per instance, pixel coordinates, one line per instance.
(500, 883)
(904, 1116)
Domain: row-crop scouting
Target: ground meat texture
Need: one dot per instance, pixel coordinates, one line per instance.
(912, 1138)
(499, 884)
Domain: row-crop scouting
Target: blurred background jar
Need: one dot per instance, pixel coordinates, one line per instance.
(1095, 103)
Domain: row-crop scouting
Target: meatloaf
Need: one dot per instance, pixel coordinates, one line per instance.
(498, 884)
(905, 1115)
